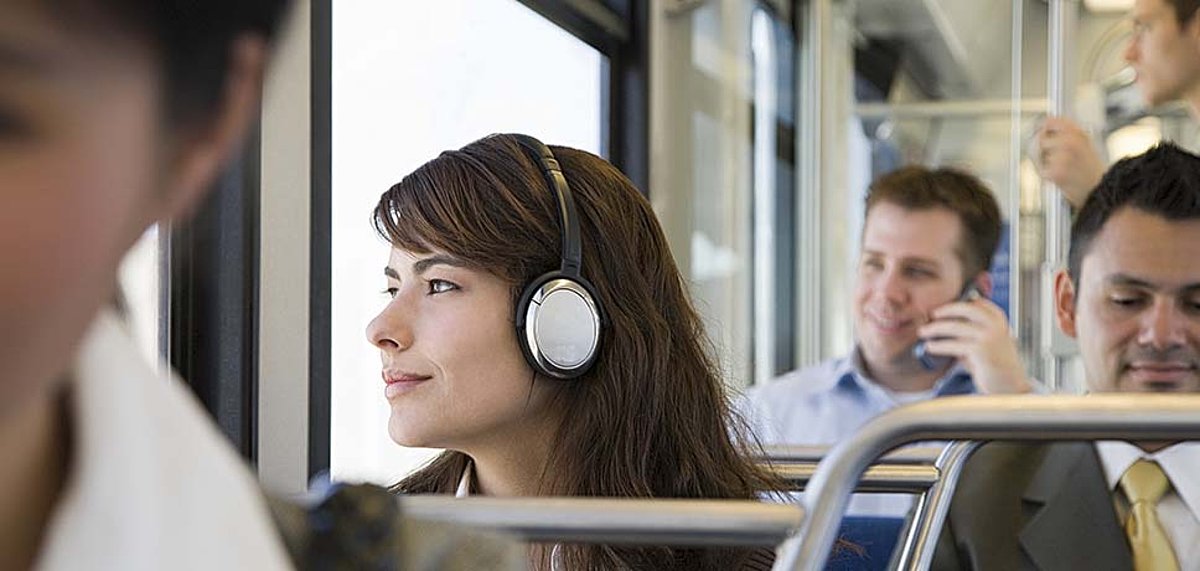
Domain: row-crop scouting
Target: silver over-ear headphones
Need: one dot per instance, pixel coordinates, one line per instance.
(558, 317)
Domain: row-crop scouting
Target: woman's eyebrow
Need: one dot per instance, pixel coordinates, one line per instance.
(424, 264)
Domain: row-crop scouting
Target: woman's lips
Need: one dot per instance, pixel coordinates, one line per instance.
(398, 384)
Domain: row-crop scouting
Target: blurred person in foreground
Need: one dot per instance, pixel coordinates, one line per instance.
(115, 115)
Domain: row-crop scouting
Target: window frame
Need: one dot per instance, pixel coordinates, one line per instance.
(616, 28)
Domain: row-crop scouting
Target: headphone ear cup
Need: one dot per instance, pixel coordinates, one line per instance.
(558, 326)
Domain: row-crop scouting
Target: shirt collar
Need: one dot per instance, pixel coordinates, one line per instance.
(850, 373)
(1181, 463)
(146, 455)
(464, 483)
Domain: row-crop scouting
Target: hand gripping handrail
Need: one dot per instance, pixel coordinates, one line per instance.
(1024, 417)
(630, 521)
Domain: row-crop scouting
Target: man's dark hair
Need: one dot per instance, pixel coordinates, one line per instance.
(921, 188)
(191, 39)
(1184, 9)
(1164, 181)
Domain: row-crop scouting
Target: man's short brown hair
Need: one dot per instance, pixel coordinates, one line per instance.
(921, 188)
(1184, 9)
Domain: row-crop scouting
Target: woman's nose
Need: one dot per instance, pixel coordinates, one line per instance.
(390, 331)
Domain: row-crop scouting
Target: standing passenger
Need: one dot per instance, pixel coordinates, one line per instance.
(929, 235)
(1165, 53)
(617, 396)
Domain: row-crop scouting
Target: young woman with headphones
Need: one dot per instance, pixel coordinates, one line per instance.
(541, 333)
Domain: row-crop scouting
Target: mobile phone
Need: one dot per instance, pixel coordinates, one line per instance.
(933, 362)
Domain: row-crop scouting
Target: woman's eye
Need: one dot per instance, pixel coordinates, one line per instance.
(441, 286)
(391, 292)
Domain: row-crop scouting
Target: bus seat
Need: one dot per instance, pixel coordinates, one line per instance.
(873, 538)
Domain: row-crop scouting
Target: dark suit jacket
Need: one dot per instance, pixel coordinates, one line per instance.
(1033, 506)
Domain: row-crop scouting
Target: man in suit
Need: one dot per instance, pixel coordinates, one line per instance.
(1131, 296)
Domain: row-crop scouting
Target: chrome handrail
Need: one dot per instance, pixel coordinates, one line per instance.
(629, 521)
(920, 541)
(785, 453)
(1026, 417)
(902, 478)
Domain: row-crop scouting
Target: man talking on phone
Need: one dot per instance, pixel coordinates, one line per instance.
(927, 244)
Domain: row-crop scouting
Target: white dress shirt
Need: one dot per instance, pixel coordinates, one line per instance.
(464, 483)
(152, 483)
(464, 490)
(1177, 510)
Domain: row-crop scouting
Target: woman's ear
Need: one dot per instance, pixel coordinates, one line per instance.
(1064, 302)
(203, 148)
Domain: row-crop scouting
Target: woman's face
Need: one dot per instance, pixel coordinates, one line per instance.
(453, 373)
(80, 142)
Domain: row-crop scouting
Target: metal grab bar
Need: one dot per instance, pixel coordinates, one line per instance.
(626, 521)
(1028, 417)
(968, 108)
(920, 540)
(910, 455)
(903, 478)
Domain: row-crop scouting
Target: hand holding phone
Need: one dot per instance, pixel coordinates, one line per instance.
(933, 362)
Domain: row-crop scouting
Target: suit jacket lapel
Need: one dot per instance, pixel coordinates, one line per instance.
(1074, 525)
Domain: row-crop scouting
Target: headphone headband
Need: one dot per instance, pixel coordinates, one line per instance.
(572, 258)
(558, 319)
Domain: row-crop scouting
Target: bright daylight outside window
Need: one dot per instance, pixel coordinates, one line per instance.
(411, 79)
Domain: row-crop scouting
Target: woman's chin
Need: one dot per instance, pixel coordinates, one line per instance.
(408, 437)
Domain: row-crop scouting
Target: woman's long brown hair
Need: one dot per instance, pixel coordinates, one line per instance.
(651, 419)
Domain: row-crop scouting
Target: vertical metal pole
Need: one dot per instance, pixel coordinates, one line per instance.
(1060, 87)
(817, 23)
(765, 111)
(1014, 170)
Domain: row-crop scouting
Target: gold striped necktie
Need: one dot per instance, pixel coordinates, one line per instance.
(1144, 483)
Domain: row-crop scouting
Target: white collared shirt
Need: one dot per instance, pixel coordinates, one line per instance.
(464, 483)
(464, 490)
(1178, 508)
(152, 483)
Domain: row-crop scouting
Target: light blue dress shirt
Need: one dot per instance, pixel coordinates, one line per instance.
(827, 402)
(823, 404)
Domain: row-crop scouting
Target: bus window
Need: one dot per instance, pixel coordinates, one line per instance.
(409, 81)
(723, 186)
